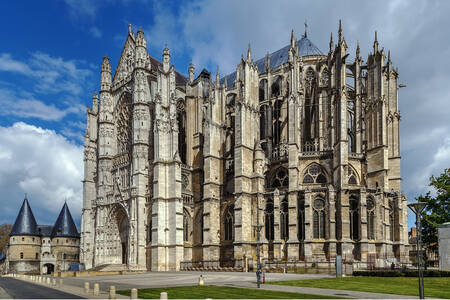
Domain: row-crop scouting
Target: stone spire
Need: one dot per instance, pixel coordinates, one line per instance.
(340, 32)
(293, 41)
(331, 43)
(140, 39)
(249, 53)
(95, 102)
(217, 76)
(105, 77)
(306, 30)
(358, 50)
(166, 59)
(375, 43)
(267, 68)
(191, 72)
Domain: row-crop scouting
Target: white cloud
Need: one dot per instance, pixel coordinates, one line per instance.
(43, 164)
(51, 74)
(26, 106)
(95, 32)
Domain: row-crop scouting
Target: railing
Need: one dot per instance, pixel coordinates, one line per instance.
(280, 152)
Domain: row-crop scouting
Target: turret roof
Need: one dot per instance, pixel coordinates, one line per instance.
(25, 223)
(65, 226)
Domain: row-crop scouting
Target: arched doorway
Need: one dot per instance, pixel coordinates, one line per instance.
(49, 268)
(123, 233)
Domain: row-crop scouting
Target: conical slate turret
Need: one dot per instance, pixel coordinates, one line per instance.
(65, 226)
(25, 223)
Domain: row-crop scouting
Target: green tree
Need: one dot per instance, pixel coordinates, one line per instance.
(437, 210)
(5, 229)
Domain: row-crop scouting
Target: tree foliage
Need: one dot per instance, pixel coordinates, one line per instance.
(437, 210)
(5, 229)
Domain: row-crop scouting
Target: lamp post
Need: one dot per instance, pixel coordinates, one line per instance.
(418, 208)
(258, 254)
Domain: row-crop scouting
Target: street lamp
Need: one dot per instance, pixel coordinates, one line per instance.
(418, 208)
(258, 254)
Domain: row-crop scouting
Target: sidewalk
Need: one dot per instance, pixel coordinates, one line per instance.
(4, 294)
(322, 292)
(75, 290)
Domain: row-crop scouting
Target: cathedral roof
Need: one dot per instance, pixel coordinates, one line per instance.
(304, 46)
(65, 226)
(25, 223)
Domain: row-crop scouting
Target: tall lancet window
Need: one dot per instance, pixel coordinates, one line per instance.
(311, 107)
(370, 219)
(181, 119)
(276, 86)
(186, 226)
(262, 122)
(319, 218)
(391, 221)
(354, 218)
(277, 122)
(284, 219)
(263, 90)
(269, 220)
(301, 217)
(351, 126)
(229, 223)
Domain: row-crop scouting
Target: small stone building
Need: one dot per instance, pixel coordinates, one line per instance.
(42, 249)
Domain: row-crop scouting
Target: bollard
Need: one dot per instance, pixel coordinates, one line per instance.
(112, 292)
(200, 281)
(96, 289)
(48, 281)
(86, 287)
(54, 282)
(134, 294)
(163, 295)
(60, 283)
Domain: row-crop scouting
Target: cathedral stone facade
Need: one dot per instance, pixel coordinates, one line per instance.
(299, 145)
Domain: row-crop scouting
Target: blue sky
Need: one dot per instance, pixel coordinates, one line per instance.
(51, 52)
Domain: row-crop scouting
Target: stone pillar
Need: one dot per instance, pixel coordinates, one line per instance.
(332, 239)
(276, 220)
(363, 242)
(308, 225)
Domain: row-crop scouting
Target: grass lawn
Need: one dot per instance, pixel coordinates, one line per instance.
(217, 292)
(438, 287)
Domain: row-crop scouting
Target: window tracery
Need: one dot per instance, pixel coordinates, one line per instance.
(229, 223)
(324, 77)
(319, 218)
(123, 117)
(269, 220)
(370, 219)
(263, 87)
(181, 120)
(281, 178)
(351, 176)
(284, 219)
(314, 174)
(354, 218)
(351, 126)
(276, 86)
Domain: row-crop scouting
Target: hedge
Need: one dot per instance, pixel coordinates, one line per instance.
(406, 273)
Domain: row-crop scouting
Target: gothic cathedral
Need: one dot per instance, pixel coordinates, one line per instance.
(298, 150)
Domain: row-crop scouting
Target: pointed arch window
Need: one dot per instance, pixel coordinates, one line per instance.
(186, 226)
(181, 119)
(229, 223)
(370, 219)
(284, 219)
(262, 122)
(276, 86)
(354, 218)
(319, 218)
(269, 220)
(391, 221)
(263, 90)
(281, 178)
(352, 176)
(351, 126)
(314, 174)
(301, 217)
